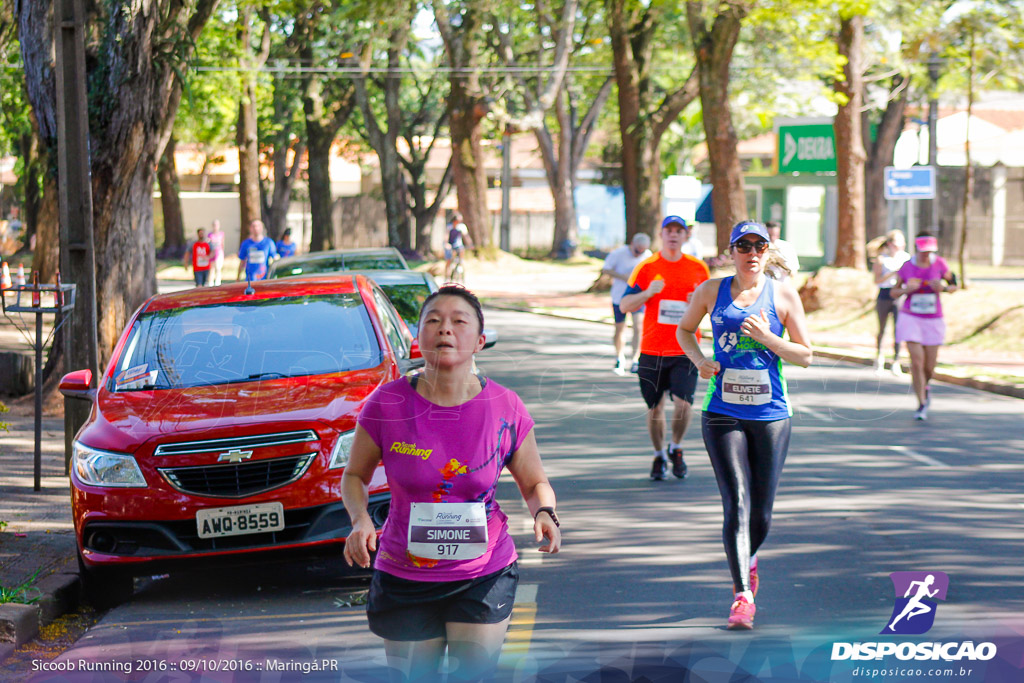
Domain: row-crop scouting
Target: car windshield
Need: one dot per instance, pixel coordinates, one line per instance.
(247, 341)
(408, 299)
(337, 264)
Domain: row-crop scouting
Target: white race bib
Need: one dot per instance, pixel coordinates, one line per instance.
(202, 260)
(670, 312)
(448, 531)
(257, 256)
(746, 387)
(924, 304)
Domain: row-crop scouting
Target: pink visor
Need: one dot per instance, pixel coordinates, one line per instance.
(926, 244)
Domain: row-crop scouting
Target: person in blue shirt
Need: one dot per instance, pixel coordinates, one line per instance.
(285, 246)
(255, 253)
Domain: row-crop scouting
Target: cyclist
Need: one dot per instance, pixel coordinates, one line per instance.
(458, 239)
(746, 419)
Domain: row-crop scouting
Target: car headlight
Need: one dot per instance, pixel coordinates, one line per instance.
(103, 468)
(342, 448)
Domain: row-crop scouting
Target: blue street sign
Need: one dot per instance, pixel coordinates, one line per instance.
(910, 183)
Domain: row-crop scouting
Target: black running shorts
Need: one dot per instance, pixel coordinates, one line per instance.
(658, 374)
(403, 610)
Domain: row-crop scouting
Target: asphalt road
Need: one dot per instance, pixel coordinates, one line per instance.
(641, 588)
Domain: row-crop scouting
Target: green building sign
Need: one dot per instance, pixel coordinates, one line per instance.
(807, 149)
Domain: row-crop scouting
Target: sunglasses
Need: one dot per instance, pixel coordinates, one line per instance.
(744, 246)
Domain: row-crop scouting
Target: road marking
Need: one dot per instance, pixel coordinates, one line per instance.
(927, 460)
(520, 629)
(815, 413)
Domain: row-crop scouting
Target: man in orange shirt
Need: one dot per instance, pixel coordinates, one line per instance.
(664, 283)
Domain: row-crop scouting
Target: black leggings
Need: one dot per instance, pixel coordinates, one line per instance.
(747, 456)
(884, 307)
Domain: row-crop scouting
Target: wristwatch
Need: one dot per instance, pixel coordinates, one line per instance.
(551, 513)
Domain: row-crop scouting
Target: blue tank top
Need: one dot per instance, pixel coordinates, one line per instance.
(750, 385)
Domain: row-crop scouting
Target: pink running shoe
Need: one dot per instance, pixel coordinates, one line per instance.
(741, 614)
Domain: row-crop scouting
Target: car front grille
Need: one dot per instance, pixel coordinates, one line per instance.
(236, 442)
(238, 480)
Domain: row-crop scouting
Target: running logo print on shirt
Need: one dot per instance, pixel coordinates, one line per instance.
(913, 612)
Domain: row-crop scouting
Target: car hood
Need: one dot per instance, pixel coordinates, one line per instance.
(125, 420)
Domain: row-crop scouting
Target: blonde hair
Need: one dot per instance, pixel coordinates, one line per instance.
(874, 247)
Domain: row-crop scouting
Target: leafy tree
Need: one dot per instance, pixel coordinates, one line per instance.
(550, 99)
(134, 57)
(254, 49)
(463, 27)
(985, 38)
(647, 105)
(714, 34)
(326, 102)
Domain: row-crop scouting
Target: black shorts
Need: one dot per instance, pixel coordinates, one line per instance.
(658, 374)
(404, 610)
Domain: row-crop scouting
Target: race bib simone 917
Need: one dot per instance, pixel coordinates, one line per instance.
(448, 531)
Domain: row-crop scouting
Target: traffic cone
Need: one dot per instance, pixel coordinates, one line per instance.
(20, 278)
(6, 283)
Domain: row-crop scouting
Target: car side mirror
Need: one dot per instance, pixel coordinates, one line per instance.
(490, 337)
(77, 384)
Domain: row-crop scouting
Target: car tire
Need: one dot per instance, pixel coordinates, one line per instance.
(105, 588)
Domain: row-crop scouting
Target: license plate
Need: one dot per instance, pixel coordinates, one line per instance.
(240, 519)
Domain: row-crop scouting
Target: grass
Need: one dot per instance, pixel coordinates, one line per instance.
(21, 594)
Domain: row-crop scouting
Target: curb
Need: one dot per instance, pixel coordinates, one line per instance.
(60, 594)
(1011, 390)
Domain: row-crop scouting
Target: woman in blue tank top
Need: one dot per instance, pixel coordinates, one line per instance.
(746, 418)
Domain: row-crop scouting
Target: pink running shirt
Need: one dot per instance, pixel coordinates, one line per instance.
(438, 454)
(925, 302)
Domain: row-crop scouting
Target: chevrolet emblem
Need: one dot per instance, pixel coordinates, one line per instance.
(235, 456)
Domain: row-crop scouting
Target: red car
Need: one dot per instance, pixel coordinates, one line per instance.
(221, 428)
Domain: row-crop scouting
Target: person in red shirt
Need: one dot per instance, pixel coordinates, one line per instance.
(202, 255)
(664, 283)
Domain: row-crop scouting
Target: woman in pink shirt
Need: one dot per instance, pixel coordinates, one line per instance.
(445, 574)
(920, 324)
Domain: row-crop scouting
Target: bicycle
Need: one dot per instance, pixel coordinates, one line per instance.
(457, 272)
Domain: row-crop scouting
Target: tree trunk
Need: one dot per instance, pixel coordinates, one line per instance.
(170, 202)
(880, 155)
(246, 133)
(321, 234)
(714, 51)
(850, 155)
(468, 172)
(968, 175)
(34, 156)
(46, 257)
(130, 121)
(630, 130)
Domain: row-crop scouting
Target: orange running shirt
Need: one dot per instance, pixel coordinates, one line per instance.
(664, 309)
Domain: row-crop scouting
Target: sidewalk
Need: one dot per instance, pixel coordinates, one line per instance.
(38, 545)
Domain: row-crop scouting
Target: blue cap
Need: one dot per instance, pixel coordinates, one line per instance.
(669, 220)
(749, 228)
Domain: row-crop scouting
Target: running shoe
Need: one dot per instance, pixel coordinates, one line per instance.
(879, 366)
(897, 369)
(741, 614)
(635, 367)
(659, 468)
(922, 413)
(618, 369)
(678, 464)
